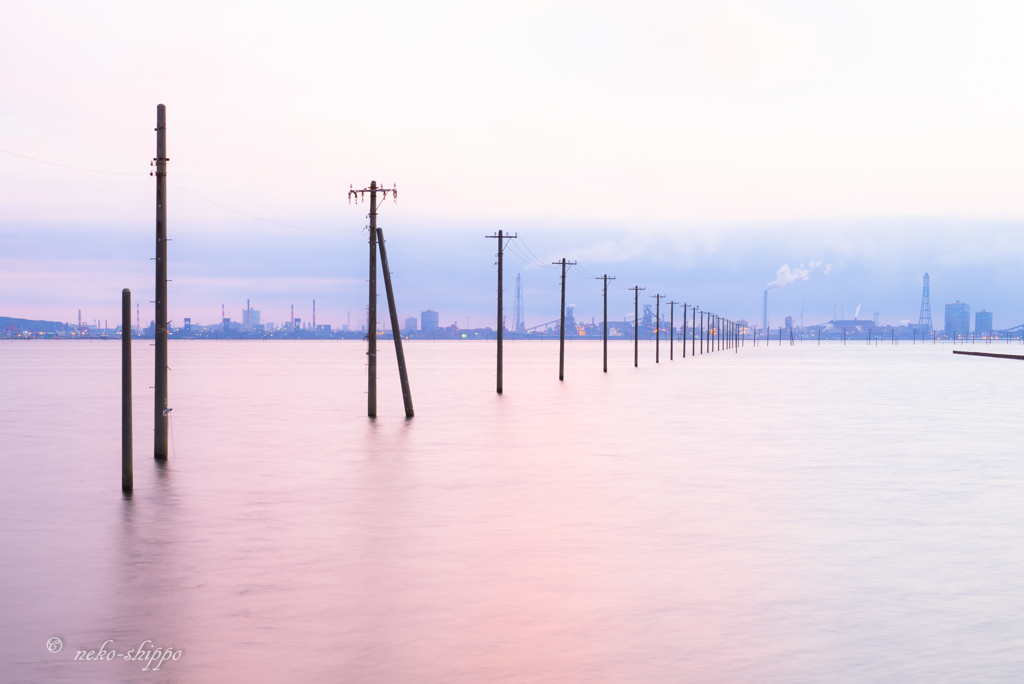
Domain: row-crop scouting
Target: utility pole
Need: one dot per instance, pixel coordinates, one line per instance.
(636, 324)
(501, 316)
(684, 329)
(561, 327)
(605, 278)
(702, 333)
(127, 476)
(371, 323)
(693, 329)
(395, 330)
(160, 414)
(657, 327)
(672, 329)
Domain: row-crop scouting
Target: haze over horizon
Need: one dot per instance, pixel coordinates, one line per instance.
(691, 148)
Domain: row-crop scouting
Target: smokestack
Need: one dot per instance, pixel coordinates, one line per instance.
(764, 319)
(248, 315)
(293, 318)
(79, 318)
(314, 315)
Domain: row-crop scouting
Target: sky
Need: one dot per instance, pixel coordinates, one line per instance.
(702, 150)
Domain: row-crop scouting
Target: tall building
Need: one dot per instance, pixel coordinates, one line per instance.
(958, 318)
(983, 321)
(875, 317)
(428, 320)
(410, 324)
(789, 321)
(924, 322)
(250, 318)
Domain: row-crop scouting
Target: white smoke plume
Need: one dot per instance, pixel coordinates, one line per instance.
(856, 314)
(786, 275)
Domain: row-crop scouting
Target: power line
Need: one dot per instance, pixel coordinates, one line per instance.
(188, 192)
(260, 218)
(76, 168)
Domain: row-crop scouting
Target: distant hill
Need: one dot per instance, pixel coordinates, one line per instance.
(25, 325)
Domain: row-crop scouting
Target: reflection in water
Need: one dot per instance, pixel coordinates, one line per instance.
(767, 516)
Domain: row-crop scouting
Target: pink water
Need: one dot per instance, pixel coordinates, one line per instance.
(793, 514)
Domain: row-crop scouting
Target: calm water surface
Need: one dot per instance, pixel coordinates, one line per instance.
(785, 514)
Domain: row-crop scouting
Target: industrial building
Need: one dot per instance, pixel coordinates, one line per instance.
(410, 324)
(958, 318)
(428, 321)
(983, 322)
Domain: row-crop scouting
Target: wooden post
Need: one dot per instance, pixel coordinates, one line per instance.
(161, 411)
(371, 324)
(396, 332)
(127, 476)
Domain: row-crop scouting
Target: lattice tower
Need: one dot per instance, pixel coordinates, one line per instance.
(518, 319)
(925, 321)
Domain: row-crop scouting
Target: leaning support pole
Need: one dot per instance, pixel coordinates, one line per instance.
(160, 413)
(395, 330)
(127, 476)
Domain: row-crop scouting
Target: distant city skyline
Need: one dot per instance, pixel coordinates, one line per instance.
(879, 269)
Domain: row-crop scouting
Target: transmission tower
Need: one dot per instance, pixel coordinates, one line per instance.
(925, 322)
(518, 320)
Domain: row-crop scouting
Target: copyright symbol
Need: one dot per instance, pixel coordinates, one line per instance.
(54, 644)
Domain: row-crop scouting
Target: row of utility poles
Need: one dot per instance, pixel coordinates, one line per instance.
(161, 409)
(725, 332)
(376, 239)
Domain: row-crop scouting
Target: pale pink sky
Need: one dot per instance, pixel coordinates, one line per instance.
(665, 124)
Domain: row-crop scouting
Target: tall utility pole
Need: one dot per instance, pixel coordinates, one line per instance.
(702, 332)
(636, 324)
(672, 329)
(127, 473)
(501, 316)
(561, 327)
(693, 329)
(605, 278)
(371, 324)
(684, 329)
(657, 327)
(396, 334)
(160, 414)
